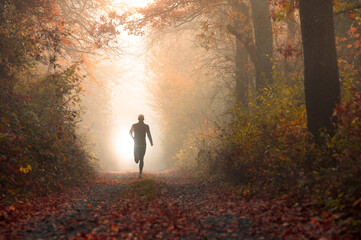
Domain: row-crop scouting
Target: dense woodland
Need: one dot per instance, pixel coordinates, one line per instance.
(263, 96)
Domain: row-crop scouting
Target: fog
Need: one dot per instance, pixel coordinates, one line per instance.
(187, 76)
(129, 99)
(264, 95)
(114, 98)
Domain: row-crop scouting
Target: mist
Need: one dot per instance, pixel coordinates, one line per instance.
(123, 81)
(254, 108)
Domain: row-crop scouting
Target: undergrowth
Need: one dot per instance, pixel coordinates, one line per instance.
(267, 150)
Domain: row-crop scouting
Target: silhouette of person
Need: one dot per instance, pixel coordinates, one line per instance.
(138, 132)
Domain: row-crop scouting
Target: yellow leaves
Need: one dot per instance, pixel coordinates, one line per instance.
(25, 169)
(11, 192)
(316, 173)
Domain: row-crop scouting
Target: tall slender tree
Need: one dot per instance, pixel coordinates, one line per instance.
(322, 86)
(263, 42)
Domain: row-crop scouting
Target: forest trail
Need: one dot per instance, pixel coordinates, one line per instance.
(158, 206)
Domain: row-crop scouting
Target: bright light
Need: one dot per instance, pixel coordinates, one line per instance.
(123, 146)
(134, 3)
(139, 3)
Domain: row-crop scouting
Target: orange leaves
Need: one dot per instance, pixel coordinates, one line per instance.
(115, 228)
(356, 36)
(187, 210)
(352, 15)
(12, 208)
(326, 214)
(66, 42)
(356, 202)
(285, 196)
(353, 30)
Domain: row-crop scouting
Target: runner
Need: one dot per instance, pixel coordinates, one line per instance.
(138, 132)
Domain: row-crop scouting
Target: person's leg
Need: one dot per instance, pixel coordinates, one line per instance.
(141, 158)
(136, 154)
(141, 165)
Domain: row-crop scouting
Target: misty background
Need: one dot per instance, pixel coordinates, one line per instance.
(262, 95)
(115, 97)
(168, 75)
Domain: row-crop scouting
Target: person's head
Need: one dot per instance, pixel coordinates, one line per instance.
(141, 118)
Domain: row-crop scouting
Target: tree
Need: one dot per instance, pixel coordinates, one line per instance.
(91, 25)
(235, 19)
(245, 50)
(242, 78)
(322, 86)
(263, 42)
(40, 90)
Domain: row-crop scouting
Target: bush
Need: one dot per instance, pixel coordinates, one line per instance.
(266, 149)
(342, 180)
(40, 151)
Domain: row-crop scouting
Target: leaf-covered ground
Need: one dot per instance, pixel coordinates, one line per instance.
(164, 206)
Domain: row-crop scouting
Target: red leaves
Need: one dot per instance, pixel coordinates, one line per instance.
(348, 115)
(14, 219)
(279, 220)
(288, 51)
(181, 210)
(352, 15)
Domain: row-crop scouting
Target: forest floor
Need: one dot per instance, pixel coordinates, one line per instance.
(164, 206)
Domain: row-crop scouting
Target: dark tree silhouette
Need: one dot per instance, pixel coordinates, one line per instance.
(322, 86)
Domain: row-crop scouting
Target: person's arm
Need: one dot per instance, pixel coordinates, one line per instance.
(131, 131)
(149, 136)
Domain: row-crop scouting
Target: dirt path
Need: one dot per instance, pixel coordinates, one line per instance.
(121, 206)
(159, 206)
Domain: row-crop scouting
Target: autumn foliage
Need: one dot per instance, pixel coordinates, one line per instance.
(41, 74)
(233, 107)
(262, 145)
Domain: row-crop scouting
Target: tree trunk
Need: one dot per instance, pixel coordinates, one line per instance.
(263, 42)
(242, 77)
(322, 86)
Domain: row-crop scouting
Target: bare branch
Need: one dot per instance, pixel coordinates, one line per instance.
(348, 10)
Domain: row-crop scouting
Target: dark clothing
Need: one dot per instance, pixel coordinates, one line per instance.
(140, 129)
(139, 152)
(138, 132)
